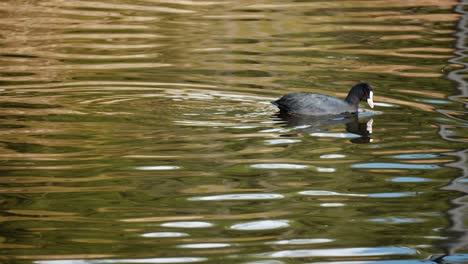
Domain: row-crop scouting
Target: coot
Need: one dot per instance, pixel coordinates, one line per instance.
(320, 104)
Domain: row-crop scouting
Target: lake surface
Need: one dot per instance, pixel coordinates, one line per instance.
(141, 132)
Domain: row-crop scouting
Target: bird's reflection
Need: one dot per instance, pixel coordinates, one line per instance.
(314, 124)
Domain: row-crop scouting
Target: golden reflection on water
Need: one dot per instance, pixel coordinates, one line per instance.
(424, 93)
(266, 215)
(354, 3)
(41, 213)
(46, 219)
(26, 179)
(395, 152)
(95, 241)
(61, 189)
(59, 256)
(116, 115)
(201, 189)
(114, 6)
(50, 45)
(14, 246)
(404, 52)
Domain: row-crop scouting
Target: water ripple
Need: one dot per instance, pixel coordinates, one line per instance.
(261, 225)
(339, 252)
(319, 169)
(205, 245)
(278, 166)
(113, 6)
(112, 261)
(396, 220)
(332, 204)
(416, 156)
(380, 262)
(335, 135)
(157, 168)
(393, 194)
(371, 195)
(332, 156)
(164, 234)
(281, 141)
(240, 196)
(409, 179)
(302, 241)
(265, 262)
(329, 193)
(188, 224)
(378, 165)
(156, 113)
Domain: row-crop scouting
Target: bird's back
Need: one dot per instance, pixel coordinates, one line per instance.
(312, 104)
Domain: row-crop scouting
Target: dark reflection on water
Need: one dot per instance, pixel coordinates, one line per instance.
(141, 132)
(457, 214)
(315, 124)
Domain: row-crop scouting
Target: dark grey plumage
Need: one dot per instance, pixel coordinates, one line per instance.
(320, 104)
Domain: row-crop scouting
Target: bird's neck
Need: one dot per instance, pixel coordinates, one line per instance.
(352, 100)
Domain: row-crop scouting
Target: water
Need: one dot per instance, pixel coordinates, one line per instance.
(141, 132)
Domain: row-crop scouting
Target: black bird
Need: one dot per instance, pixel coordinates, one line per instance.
(320, 104)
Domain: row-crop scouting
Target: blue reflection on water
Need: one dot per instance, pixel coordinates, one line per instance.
(409, 179)
(459, 258)
(339, 252)
(396, 220)
(395, 166)
(372, 195)
(393, 194)
(380, 262)
(433, 101)
(416, 156)
(335, 135)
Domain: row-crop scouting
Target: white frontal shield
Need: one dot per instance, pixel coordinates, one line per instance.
(370, 100)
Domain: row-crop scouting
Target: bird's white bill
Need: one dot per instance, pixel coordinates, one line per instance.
(370, 100)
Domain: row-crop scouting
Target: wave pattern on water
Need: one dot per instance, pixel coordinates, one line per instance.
(141, 132)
